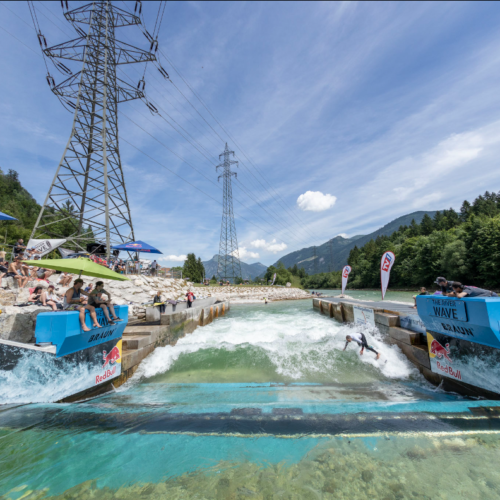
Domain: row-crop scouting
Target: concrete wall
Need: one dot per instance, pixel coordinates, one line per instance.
(141, 340)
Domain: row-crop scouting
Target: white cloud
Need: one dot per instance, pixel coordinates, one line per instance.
(315, 201)
(271, 246)
(344, 235)
(173, 258)
(258, 244)
(246, 254)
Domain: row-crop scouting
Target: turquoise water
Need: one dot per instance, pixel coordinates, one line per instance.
(261, 404)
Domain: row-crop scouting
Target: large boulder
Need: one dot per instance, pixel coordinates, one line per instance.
(18, 323)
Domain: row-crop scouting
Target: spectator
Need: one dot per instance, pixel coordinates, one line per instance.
(446, 286)
(65, 279)
(19, 247)
(73, 300)
(423, 291)
(53, 299)
(4, 266)
(96, 300)
(154, 265)
(190, 298)
(158, 300)
(15, 271)
(88, 289)
(462, 291)
(36, 297)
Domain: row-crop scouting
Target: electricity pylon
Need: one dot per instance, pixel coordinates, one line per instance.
(228, 267)
(87, 201)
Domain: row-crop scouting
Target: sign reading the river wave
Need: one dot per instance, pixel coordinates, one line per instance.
(364, 316)
(345, 276)
(386, 264)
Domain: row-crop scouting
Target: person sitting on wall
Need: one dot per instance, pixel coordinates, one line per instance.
(73, 301)
(96, 300)
(158, 300)
(462, 291)
(446, 286)
(423, 291)
(15, 271)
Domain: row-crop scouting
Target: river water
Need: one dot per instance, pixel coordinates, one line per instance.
(261, 404)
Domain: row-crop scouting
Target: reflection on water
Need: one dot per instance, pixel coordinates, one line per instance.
(408, 467)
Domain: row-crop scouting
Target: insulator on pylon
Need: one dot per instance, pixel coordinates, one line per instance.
(141, 85)
(63, 67)
(151, 108)
(42, 40)
(138, 5)
(70, 104)
(67, 4)
(147, 35)
(50, 80)
(154, 44)
(80, 31)
(163, 73)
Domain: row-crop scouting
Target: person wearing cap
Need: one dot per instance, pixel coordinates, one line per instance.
(462, 291)
(446, 286)
(73, 301)
(96, 300)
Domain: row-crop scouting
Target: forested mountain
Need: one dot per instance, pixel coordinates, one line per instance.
(340, 247)
(462, 246)
(248, 271)
(17, 202)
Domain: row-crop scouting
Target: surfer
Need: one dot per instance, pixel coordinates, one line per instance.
(360, 339)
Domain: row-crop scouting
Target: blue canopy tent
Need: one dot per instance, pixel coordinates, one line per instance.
(136, 246)
(6, 217)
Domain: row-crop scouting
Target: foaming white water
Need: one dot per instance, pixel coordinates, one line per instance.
(297, 342)
(39, 378)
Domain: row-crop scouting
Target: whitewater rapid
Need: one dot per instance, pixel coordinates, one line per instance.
(298, 343)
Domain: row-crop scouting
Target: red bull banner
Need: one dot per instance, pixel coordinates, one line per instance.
(345, 277)
(464, 361)
(386, 264)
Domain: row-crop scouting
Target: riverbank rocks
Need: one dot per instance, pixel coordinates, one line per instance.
(18, 323)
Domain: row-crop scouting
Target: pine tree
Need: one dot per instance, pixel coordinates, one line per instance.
(426, 226)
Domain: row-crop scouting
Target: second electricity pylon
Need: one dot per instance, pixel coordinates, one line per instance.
(229, 266)
(87, 201)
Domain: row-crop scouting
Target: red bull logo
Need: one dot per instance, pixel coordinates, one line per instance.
(112, 357)
(441, 352)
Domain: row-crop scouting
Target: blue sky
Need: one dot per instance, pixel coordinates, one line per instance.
(352, 114)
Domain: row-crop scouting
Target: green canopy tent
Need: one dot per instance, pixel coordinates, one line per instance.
(78, 266)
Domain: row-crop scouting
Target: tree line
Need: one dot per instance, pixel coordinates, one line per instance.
(462, 246)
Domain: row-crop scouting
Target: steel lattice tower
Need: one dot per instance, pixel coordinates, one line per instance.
(88, 192)
(229, 266)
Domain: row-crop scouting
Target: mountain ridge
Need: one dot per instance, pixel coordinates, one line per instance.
(342, 246)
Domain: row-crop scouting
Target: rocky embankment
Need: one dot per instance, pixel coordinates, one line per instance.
(18, 323)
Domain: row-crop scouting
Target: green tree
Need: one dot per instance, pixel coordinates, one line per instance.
(426, 226)
(192, 269)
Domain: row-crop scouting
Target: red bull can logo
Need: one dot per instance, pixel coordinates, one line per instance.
(439, 351)
(112, 357)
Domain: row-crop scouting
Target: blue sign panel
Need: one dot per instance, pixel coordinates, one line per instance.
(475, 319)
(448, 308)
(62, 328)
